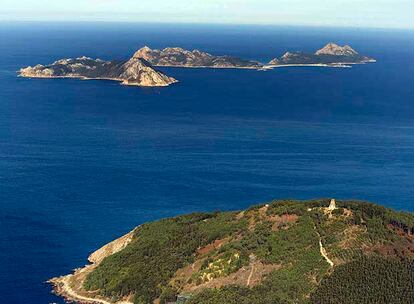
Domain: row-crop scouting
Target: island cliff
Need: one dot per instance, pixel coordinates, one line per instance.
(283, 252)
(330, 55)
(178, 57)
(135, 71)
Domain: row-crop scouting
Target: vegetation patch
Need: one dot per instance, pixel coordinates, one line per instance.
(221, 266)
(283, 252)
(368, 280)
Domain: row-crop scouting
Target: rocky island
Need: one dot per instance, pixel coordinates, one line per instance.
(135, 71)
(330, 55)
(139, 70)
(310, 252)
(178, 57)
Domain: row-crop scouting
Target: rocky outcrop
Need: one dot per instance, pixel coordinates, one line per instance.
(178, 57)
(135, 71)
(330, 55)
(111, 248)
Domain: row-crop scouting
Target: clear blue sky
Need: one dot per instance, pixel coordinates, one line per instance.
(356, 13)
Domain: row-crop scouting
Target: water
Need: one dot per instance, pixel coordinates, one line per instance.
(82, 162)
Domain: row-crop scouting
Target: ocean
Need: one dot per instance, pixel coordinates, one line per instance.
(83, 162)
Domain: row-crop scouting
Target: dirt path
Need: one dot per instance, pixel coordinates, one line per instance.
(67, 290)
(323, 253)
(63, 288)
(323, 250)
(250, 276)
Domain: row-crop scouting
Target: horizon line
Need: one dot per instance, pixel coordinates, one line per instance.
(323, 26)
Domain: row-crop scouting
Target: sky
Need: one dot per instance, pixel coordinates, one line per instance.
(350, 13)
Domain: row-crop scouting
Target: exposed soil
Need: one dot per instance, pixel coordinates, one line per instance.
(398, 249)
(250, 276)
(350, 236)
(212, 246)
(283, 221)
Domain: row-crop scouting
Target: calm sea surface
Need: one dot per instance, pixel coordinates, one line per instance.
(83, 162)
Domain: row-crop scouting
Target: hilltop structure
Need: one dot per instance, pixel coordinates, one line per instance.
(332, 205)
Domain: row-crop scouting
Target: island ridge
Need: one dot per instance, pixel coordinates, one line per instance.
(178, 57)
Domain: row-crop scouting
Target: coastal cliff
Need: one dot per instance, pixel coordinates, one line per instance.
(282, 252)
(133, 72)
(330, 55)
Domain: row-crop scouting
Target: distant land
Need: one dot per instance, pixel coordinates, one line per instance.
(139, 70)
(284, 252)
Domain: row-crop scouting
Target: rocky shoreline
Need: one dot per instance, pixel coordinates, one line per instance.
(323, 65)
(70, 287)
(121, 81)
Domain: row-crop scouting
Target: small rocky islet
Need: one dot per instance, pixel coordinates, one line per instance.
(282, 252)
(140, 69)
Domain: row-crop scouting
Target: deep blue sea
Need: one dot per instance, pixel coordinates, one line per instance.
(83, 162)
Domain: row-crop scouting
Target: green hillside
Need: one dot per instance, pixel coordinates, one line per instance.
(281, 252)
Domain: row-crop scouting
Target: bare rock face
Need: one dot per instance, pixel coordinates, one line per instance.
(111, 248)
(138, 72)
(36, 71)
(336, 50)
(135, 71)
(178, 57)
(274, 61)
(144, 53)
(331, 54)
